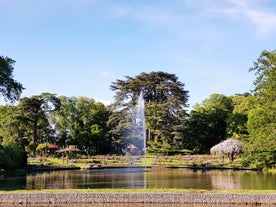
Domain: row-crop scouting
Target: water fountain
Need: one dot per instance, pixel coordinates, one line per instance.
(136, 139)
(136, 136)
(140, 122)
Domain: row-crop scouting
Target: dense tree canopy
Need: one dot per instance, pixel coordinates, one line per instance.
(158, 87)
(265, 71)
(207, 124)
(9, 88)
(82, 122)
(237, 120)
(261, 124)
(33, 112)
(165, 100)
(12, 151)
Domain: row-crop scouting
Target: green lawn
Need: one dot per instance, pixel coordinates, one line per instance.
(155, 190)
(147, 161)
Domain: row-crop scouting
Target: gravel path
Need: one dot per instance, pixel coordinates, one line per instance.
(42, 198)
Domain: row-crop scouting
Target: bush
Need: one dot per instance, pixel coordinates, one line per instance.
(12, 157)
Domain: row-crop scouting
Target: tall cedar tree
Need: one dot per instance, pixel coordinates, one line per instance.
(165, 102)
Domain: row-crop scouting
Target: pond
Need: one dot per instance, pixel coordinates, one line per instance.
(135, 178)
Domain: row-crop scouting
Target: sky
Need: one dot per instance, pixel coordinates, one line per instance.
(79, 47)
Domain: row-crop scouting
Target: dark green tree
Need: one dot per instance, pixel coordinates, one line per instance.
(34, 113)
(83, 122)
(207, 124)
(165, 102)
(12, 145)
(9, 88)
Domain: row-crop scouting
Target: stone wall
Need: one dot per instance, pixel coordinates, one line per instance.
(19, 198)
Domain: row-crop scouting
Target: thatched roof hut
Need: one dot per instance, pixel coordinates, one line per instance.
(69, 151)
(132, 150)
(230, 148)
(70, 148)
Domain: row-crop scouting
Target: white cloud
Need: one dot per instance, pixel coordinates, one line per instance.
(258, 15)
(167, 14)
(265, 22)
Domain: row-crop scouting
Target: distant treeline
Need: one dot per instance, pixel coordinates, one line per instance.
(34, 124)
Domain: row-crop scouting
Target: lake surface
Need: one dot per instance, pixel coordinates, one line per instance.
(131, 178)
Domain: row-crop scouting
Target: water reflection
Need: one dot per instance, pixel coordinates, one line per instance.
(85, 179)
(226, 180)
(13, 180)
(139, 178)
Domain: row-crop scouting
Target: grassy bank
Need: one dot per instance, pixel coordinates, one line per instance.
(153, 190)
(149, 161)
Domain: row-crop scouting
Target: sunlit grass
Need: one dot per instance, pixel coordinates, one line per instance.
(146, 161)
(272, 170)
(154, 190)
(84, 161)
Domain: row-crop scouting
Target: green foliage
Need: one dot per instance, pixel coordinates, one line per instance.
(165, 100)
(207, 124)
(9, 88)
(216, 101)
(12, 156)
(261, 123)
(33, 113)
(265, 71)
(237, 120)
(83, 122)
(159, 148)
(98, 129)
(41, 148)
(236, 125)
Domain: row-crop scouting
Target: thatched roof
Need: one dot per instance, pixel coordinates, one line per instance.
(132, 149)
(70, 148)
(229, 146)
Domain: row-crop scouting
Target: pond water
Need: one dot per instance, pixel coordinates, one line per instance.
(131, 178)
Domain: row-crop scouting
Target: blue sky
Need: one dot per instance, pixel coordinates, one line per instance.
(78, 47)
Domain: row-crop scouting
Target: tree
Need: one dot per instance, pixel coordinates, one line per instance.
(207, 124)
(237, 120)
(83, 122)
(34, 112)
(12, 146)
(120, 126)
(265, 71)
(9, 88)
(261, 148)
(165, 100)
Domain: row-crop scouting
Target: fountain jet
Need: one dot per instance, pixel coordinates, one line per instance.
(140, 121)
(137, 138)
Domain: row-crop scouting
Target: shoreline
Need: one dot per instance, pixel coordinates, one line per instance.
(71, 197)
(47, 168)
